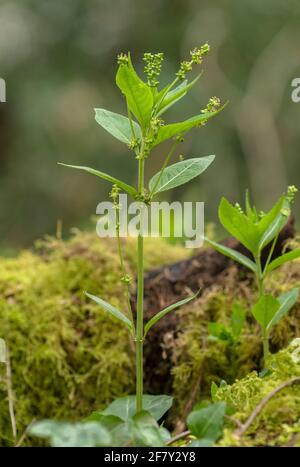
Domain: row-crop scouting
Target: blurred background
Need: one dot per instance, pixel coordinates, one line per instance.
(58, 61)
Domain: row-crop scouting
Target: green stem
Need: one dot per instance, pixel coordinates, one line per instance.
(123, 269)
(265, 347)
(140, 301)
(260, 284)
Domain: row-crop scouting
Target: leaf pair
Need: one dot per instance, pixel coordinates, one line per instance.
(254, 235)
(113, 311)
(269, 310)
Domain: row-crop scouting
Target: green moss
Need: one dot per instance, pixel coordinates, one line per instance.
(67, 356)
(278, 422)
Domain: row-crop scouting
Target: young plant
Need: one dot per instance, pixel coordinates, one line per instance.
(256, 231)
(141, 130)
(231, 333)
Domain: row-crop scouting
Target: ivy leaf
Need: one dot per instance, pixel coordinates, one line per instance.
(2, 351)
(117, 125)
(233, 254)
(286, 301)
(179, 173)
(207, 423)
(138, 95)
(129, 189)
(175, 95)
(63, 434)
(239, 225)
(168, 131)
(265, 310)
(286, 258)
(111, 310)
(167, 310)
(125, 407)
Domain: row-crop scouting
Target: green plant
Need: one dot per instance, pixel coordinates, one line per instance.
(256, 231)
(141, 130)
(230, 333)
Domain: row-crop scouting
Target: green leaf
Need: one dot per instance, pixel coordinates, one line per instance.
(286, 301)
(265, 310)
(213, 391)
(129, 189)
(219, 331)
(273, 222)
(238, 225)
(125, 407)
(201, 443)
(138, 95)
(146, 432)
(179, 173)
(286, 258)
(63, 434)
(168, 131)
(238, 317)
(117, 125)
(111, 310)
(233, 254)
(167, 310)
(175, 95)
(251, 213)
(207, 423)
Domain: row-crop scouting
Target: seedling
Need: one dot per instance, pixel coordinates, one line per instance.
(255, 231)
(141, 130)
(231, 333)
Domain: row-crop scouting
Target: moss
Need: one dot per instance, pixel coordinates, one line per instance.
(198, 361)
(67, 356)
(277, 423)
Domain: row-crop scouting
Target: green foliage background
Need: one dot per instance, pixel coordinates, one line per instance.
(58, 62)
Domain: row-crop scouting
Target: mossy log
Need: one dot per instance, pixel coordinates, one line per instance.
(69, 358)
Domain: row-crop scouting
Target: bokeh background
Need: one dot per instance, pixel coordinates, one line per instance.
(58, 60)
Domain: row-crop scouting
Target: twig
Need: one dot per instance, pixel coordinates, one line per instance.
(10, 395)
(182, 435)
(25, 433)
(240, 432)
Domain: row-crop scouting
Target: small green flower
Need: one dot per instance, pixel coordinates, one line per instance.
(153, 67)
(122, 59)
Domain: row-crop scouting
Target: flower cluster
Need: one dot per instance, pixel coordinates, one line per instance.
(196, 59)
(122, 59)
(152, 68)
(212, 106)
(292, 190)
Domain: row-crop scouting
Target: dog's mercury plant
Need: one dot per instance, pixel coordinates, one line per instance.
(256, 231)
(142, 129)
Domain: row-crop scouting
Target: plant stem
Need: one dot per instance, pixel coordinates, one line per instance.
(140, 300)
(260, 284)
(265, 346)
